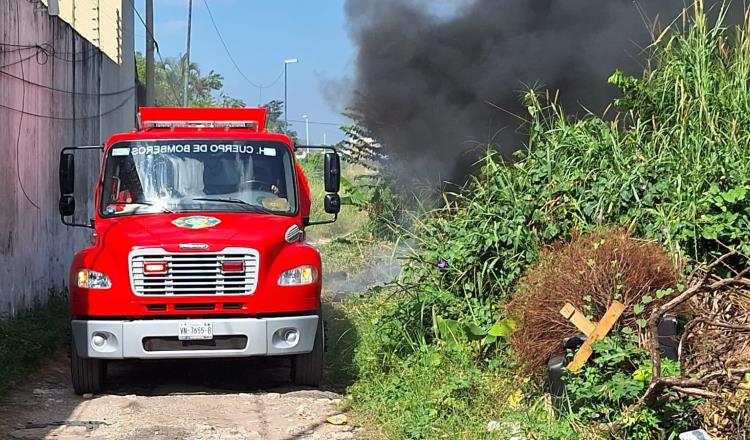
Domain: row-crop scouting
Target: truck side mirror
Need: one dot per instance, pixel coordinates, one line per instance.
(332, 174)
(67, 173)
(332, 203)
(67, 205)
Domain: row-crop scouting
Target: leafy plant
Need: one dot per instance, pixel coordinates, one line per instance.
(614, 379)
(456, 334)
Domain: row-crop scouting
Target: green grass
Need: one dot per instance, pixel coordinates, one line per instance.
(341, 340)
(437, 391)
(28, 339)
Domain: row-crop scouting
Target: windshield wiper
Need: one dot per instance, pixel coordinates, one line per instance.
(254, 208)
(146, 203)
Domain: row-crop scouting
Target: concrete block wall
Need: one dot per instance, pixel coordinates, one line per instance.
(56, 90)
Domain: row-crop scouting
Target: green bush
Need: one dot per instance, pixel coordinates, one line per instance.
(672, 167)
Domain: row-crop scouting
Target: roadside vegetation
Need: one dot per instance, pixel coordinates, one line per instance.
(595, 209)
(28, 339)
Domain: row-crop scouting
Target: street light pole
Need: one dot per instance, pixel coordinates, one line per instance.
(307, 129)
(286, 118)
(286, 108)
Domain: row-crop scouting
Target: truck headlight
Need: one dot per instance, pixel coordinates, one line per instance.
(91, 279)
(299, 276)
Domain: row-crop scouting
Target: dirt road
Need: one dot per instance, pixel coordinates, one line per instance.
(248, 399)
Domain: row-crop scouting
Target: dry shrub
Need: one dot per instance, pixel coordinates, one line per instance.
(728, 416)
(718, 340)
(589, 272)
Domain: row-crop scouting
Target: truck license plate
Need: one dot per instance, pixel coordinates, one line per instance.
(189, 331)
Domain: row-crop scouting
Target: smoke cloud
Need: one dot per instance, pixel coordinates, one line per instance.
(426, 70)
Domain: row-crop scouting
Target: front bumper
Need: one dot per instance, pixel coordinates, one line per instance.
(126, 339)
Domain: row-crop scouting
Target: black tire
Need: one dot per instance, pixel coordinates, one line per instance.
(89, 375)
(307, 369)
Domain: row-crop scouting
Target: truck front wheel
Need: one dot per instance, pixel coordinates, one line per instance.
(88, 375)
(307, 369)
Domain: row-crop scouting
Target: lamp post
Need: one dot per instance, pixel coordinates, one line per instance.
(307, 129)
(286, 108)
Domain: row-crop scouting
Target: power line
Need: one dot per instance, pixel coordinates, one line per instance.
(231, 58)
(62, 118)
(298, 121)
(43, 86)
(20, 120)
(156, 46)
(40, 49)
(140, 17)
(48, 49)
(19, 61)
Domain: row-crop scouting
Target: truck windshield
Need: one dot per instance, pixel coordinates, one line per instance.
(146, 177)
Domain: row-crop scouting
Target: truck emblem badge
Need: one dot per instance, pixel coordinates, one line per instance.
(193, 246)
(196, 222)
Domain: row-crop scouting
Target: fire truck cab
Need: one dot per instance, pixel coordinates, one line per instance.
(198, 246)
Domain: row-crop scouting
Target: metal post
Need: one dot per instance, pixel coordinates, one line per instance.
(150, 53)
(286, 110)
(186, 69)
(307, 129)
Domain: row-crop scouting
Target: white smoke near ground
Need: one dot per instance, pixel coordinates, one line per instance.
(379, 269)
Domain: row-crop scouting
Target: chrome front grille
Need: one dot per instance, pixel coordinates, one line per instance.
(194, 274)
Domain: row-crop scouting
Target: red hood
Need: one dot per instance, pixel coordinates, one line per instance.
(262, 232)
(117, 237)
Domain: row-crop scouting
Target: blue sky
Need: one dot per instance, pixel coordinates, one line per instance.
(261, 34)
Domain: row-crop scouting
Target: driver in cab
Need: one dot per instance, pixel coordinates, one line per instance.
(224, 175)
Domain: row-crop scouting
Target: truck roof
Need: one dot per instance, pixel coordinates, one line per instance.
(181, 117)
(179, 122)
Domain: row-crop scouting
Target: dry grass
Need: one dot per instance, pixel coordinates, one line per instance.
(589, 272)
(721, 346)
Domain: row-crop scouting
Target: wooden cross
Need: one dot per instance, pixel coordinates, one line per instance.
(594, 332)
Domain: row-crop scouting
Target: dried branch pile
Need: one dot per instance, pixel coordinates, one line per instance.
(589, 272)
(714, 348)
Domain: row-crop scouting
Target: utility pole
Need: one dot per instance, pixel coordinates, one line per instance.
(186, 70)
(150, 101)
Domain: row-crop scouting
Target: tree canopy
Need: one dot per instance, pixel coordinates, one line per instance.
(203, 90)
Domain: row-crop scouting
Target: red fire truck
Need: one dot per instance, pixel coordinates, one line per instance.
(198, 246)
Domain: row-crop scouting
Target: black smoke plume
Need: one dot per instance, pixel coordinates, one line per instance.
(424, 80)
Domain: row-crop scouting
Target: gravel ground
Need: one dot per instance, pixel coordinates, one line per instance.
(248, 399)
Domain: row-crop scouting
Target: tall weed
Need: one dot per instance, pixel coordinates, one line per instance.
(672, 167)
